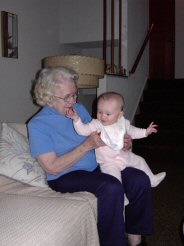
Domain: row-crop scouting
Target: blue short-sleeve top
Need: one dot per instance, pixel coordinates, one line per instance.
(50, 131)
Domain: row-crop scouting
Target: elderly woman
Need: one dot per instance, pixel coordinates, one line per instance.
(70, 163)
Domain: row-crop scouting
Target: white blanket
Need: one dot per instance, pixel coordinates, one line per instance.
(40, 217)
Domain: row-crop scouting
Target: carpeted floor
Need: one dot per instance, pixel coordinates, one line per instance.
(163, 103)
(168, 202)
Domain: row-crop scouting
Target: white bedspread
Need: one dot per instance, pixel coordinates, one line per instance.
(32, 216)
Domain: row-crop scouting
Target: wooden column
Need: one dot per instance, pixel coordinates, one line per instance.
(105, 33)
(112, 36)
(120, 38)
(110, 68)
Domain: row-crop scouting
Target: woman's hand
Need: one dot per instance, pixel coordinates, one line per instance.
(94, 141)
(127, 142)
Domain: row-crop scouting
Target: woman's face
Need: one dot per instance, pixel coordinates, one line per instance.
(65, 96)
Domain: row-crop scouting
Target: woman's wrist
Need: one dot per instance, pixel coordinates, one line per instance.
(88, 144)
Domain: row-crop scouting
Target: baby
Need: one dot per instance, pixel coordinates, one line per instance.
(112, 126)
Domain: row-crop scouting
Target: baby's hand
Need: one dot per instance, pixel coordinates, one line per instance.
(151, 129)
(72, 114)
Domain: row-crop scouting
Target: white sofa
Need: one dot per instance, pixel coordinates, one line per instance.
(33, 214)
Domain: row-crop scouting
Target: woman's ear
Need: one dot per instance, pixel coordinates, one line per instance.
(50, 104)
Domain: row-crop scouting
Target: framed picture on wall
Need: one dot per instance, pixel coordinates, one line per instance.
(9, 34)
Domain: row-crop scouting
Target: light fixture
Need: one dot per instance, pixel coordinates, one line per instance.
(90, 69)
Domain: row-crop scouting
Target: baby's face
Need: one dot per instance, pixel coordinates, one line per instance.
(108, 111)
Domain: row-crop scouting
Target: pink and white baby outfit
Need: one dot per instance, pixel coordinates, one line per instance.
(112, 158)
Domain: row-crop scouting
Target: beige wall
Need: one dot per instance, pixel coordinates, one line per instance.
(38, 36)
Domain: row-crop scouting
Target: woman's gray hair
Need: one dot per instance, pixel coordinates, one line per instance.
(47, 80)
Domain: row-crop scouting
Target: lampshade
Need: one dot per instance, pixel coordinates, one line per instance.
(90, 69)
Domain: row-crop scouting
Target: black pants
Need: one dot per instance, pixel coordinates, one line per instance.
(110, 194)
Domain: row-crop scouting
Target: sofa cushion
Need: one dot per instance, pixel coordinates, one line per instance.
(20, 127)
(16, 161)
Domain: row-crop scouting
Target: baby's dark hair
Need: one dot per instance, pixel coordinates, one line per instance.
(112, 95)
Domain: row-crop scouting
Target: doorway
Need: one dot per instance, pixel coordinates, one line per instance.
(162, 40)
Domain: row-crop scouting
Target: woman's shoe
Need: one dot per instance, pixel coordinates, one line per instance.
(142, 244)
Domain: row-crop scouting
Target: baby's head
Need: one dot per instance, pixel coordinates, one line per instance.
(110, 107)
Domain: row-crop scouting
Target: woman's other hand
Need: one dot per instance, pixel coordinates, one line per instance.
(94, 141)
(127, 142)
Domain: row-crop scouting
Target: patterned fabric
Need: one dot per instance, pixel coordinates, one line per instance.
(16, 161)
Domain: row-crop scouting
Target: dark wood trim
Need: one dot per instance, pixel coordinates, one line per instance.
(104, 33)
(120, 36)
(112, 36)
(142, 49)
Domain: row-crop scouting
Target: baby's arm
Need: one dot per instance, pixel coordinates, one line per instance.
(151, 129)
(85, 129)
(137, 133)
(80, 127)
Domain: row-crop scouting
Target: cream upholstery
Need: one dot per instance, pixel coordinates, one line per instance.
(40, 216)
